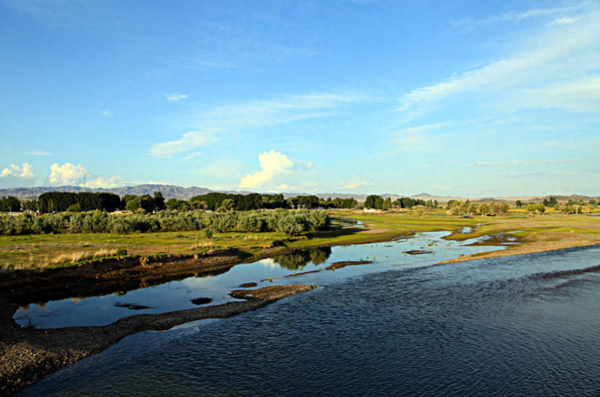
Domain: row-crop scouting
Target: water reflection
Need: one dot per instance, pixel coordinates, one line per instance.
(298, 259)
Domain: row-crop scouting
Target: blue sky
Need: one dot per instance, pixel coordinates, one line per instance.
(472, 98)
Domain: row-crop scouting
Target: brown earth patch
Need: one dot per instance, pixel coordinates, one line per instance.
(372, 231)
(342, 264)
(300, 274)
(271, 293)
(418, 252)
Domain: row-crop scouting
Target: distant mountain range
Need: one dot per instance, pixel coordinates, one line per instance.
(168, 191)
(173, 191)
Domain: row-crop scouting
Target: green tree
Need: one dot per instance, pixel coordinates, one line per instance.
(485, 209)
(319, 220)
(387, 204)
(293, 225)
(541, 208)
(10, 204)
(159, 201)
(532, 208)
(226, 205)
(252, 222)
(374, 201)
(474, 208)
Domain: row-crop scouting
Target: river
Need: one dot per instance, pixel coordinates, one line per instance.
(525, 325)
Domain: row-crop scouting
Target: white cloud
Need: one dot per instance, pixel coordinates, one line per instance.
(66, 174)
(176, 97)
(57, 12)
(199, 63)
(188, 141)
(69, 174)
(538, 13)
(229, 119)
(579, 95)
(563, 21)
(192, 156)
(24, 171)
(38, 153)
(355, 184)
(106, 113)
(273, 165)
(553, 143)
(523, 162)
(557, 68)
(417, 139)
(101, 182)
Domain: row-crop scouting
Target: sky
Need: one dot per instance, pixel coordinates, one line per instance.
(467, 97)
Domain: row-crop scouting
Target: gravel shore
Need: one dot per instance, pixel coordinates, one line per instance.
(27, 355)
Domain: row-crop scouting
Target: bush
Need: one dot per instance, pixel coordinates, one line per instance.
(293, 224)
(96, 222)
(226, 223)
(120, 225)
(290, 222)
(319, 220)
(252, 223)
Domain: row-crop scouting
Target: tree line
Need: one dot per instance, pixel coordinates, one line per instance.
(462, 208)
(254, 201)
(379, 203)
(80, 202)
(291, 222)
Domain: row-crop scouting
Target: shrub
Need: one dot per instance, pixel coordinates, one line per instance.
(293, 224)
(252, 223)
(319, 220)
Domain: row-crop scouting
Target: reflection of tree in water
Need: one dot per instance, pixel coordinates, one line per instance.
(300, 258)
(319, 255)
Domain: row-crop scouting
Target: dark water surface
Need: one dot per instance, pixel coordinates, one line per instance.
(518, 326)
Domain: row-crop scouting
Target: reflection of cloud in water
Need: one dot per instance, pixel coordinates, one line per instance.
(198, 282)
(269, 263)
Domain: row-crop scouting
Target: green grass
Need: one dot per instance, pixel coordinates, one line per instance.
(22, 252)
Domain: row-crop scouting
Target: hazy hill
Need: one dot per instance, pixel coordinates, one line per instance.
(168, 191)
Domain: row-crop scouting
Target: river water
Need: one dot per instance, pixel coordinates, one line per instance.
(178, 295)
(527, 325)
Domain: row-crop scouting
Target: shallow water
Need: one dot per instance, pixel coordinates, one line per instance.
(527, 325)
(178, 295)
